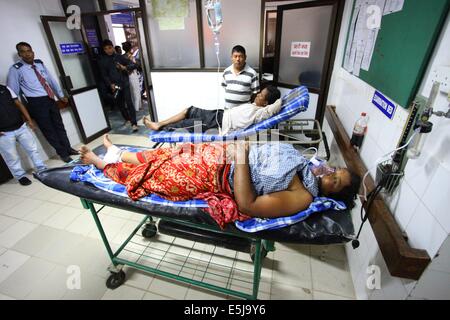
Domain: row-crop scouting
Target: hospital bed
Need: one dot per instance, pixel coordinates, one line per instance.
(143, 250)
(281, 126)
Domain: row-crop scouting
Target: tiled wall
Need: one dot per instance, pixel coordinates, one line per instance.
(421, 204)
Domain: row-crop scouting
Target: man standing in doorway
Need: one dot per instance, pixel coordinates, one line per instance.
(239, 80)
(30, 77)
(114, 69)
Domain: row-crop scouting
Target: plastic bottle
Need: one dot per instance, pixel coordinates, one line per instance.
(359, 131)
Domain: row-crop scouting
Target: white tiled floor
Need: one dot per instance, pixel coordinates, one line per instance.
(44, 231)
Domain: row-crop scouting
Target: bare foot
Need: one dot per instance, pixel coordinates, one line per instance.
(150, 124)
(84, 149)
(106, 141)
(88, 157)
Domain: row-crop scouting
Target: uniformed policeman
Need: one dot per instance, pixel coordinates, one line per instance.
(30, 77)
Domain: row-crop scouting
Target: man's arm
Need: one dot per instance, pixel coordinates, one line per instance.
(13, 80)
(25, 113)
(127, 63)
(276, 204)
(254, 87)
(266, 112)
(255, 84)
(224, 83)
(104, 73)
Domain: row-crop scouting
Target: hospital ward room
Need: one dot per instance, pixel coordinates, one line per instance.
(215, 152)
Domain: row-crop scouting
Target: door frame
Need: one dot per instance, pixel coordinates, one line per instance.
(65, 80)
(330, 53)
(139, 12)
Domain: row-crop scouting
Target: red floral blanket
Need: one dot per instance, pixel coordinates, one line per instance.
(190, 171)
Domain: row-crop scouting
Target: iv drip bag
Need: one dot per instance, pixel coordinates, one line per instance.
(214, 15)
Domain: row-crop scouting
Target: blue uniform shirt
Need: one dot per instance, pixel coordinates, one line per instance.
(21, 77)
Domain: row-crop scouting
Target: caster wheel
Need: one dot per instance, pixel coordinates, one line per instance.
(115, 280)
(149, 231)
(253, 252)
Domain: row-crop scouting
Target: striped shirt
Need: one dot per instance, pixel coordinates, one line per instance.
(239, 88)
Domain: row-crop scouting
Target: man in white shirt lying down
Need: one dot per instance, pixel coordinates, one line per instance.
(266, 104)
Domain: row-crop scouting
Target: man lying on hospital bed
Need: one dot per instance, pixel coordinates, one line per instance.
(266, 104)
(237, 181)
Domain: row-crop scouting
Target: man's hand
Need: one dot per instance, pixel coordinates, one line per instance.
(113, 87)
(64, 99)
(121, 67)
(2, 133)
(239, 151)
(31, 125)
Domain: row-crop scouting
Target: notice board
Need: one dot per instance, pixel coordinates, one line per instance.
(403, 47)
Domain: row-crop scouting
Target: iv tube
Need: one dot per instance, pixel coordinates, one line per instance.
(214, 16)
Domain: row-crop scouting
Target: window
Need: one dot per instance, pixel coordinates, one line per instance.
(173, 33)
(245, 30)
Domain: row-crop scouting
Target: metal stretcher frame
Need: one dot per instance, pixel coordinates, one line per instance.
(287, 128)
(117, 277)
(260, 247)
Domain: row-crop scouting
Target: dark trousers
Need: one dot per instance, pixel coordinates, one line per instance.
(46, 114)
(125, 104)
(198, 119)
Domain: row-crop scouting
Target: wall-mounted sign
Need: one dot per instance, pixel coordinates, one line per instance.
(300, 49)
(384, 104)
(71, 48)
(122, 18)
(92, 38)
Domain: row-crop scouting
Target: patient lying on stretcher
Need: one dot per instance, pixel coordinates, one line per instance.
(237, 181)
(267, 103)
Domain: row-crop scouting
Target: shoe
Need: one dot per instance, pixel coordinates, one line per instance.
(135, 128)
(66, 159)
(73, 152)
(24, 181)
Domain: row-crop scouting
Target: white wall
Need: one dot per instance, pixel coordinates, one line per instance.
(421, 204)
(20, 21)
(175, 91)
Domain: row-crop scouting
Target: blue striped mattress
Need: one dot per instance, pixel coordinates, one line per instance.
(294, 102)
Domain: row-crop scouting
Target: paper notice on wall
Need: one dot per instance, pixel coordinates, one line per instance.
(363, 34)
(393, 6)
(300, 49)
(349, 57)
(359, 57)
(369, 48)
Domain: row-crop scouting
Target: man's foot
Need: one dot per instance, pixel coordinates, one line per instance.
(73, 152)
(150, 124)
(24, 181)
(88, 157)
(135, 128)
(106, 141)
(66, 159)
(127, 123)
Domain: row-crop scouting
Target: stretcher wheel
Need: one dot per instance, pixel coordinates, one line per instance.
(149, 230)
(253, 252)
(115, 280)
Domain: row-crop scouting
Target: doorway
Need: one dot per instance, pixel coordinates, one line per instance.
(77, 54)
(306, 36)
(121, 25)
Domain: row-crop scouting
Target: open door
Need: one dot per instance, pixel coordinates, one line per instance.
(69, 50)
(306, 42)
